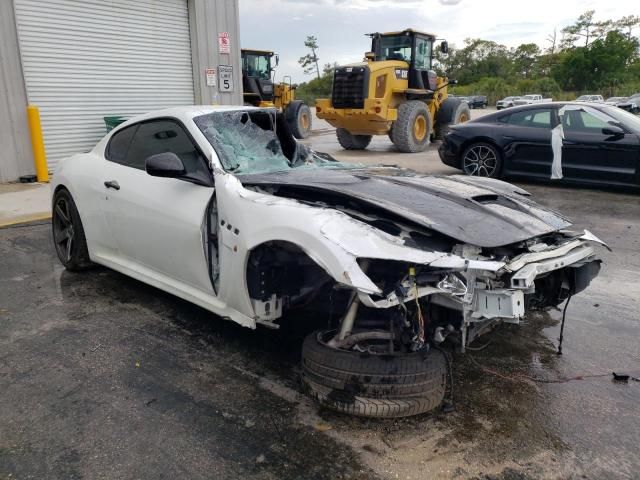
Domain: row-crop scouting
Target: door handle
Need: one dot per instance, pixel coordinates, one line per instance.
(112, 184)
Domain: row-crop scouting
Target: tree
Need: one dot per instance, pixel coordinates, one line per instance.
(552, 39)
(309, 61)
(598, 65)
(524, 58)
(318, 87)
(479, 58)
(628, 23)
(583, 27)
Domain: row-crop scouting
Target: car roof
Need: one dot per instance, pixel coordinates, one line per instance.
(534, 106)
(558, 104)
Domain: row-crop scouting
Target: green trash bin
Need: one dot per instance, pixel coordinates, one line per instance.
(113, 122)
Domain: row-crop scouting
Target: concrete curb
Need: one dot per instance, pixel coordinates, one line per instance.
(34, 217)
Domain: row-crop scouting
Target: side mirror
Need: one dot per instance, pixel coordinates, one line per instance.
(277, 59)
(444, 47)
(613, 131)
(370, 56)
(166, 164)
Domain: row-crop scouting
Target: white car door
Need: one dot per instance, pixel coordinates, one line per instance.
(159, 224)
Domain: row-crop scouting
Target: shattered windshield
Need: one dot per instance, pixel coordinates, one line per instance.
(255, 141)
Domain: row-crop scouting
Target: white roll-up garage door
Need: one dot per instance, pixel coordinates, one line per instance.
(87, 59)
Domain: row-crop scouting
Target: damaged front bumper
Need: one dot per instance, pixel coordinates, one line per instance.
(503, 293)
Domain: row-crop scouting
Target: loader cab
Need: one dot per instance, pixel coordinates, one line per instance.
(414, 48)
(257, 83)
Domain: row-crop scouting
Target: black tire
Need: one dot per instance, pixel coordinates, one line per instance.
(390, 132)
(452, 112)
(383, 386)
(404, 132)
(487, 157)
(299, 118)
(352, 142)
(68, 234)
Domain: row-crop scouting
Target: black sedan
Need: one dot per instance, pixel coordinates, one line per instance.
(600, 144)
(477, 101)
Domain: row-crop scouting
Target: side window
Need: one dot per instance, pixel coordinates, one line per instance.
(539, 118)
(580, 121)
(423, 54)
(161, 136)
(119, 144)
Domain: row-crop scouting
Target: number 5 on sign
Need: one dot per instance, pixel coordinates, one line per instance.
(225, 77)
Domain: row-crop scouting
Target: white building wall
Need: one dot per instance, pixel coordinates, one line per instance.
(16, 157)
(208, 19)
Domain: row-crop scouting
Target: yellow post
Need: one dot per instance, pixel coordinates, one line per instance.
(39, 157)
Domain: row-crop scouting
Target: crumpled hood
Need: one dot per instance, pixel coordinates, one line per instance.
(479, 211)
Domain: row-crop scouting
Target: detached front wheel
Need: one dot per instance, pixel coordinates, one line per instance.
(369, 384)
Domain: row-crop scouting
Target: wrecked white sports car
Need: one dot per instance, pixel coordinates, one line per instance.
(222, 207)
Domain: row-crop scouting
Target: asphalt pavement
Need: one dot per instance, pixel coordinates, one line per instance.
(104, 377)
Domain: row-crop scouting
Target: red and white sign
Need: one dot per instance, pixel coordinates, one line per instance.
(210, 74)
(224, 44)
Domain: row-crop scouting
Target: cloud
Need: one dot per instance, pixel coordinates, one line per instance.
(340, 25)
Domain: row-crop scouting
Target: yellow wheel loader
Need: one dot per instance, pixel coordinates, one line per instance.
(394, 92)
(259, 90)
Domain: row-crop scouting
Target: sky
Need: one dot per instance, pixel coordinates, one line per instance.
(340, 25)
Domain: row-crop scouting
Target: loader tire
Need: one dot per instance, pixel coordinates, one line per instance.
(412, 129)
(452, 112)
(352, 142)
(382, 386)
(299, 119)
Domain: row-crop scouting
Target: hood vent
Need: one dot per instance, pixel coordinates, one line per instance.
(490, 198)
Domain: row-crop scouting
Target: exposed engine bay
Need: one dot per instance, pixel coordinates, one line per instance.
(421, 304)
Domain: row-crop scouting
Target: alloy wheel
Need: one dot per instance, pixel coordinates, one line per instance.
(481, 161)
(63, 229)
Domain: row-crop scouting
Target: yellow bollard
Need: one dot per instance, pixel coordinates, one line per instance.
(39, 157)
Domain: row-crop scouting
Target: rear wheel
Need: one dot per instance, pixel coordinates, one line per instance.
(68, 233)
(352, 142)
(482, 160)
(413, 127)
(452, 112)
(369, 384)
(299, 118)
